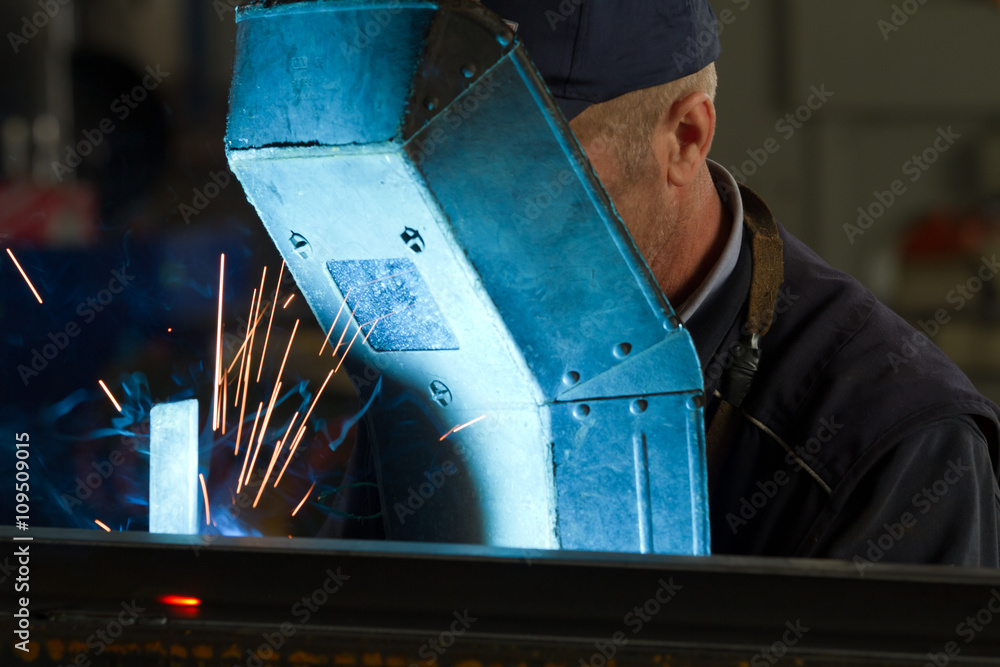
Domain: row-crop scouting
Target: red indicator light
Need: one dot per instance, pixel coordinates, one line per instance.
(179, 600)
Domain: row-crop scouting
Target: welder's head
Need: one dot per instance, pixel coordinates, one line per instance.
(615, 67)
(636, 79)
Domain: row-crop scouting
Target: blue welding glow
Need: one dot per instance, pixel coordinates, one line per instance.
(173, 468)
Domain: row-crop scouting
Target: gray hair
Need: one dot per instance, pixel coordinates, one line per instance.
(623, 126)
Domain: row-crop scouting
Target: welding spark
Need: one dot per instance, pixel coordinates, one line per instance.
(260, 299)
(341, 309)
(204, 492)
(251, 337)
(305, 421)
(260, 439)
(243, 347)
(335, 320)
(245, 366)
(267, 416)
(344, 332)
(289, 429)
(246, 340)
(303, 501)
(271, 321)
(287, 350)
(225, 401)
(291, 451)
(270, 466)
(298, 436)
(246, 458)
(374, 324)
(24, 275)
(239, 427)
(391, 275)
(379, 319)
(274, 396)
(99, 523)
(456, 429)
(108, 392)
(274, 457)
(353, 338)
(218, 348)
(288, 301)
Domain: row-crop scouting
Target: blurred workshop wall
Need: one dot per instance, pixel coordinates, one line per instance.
(117, 202)
(191, 39)
(895, 110)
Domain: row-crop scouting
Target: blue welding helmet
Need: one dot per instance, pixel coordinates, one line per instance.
(426, 194)
(591, 52)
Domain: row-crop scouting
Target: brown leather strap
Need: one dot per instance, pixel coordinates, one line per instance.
(768, 265)
(766, 277)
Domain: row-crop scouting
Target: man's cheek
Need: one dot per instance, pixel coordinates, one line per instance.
(603, 163)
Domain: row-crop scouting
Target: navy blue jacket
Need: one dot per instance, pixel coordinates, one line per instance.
(870, 445)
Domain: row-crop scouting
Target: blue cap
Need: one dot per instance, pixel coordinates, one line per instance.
(591, 51)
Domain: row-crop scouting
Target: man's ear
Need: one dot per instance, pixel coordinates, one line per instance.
(683, 137)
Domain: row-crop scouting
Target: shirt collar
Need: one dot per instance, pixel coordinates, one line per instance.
(729, 192)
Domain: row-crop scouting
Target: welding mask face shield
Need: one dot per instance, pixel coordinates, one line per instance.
(538, 379)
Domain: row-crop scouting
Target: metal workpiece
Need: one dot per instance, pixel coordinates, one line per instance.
(173, 468)
(534, 387)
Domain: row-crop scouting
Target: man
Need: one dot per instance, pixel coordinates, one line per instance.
(818, 447)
